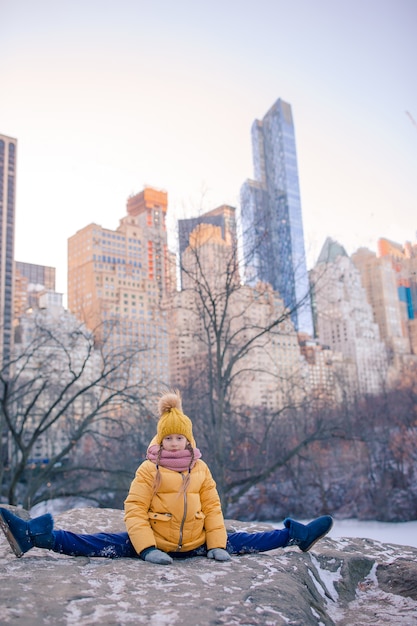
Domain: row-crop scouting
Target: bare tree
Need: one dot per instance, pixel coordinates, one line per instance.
(231, 342)
(369, 467)
(62, 402)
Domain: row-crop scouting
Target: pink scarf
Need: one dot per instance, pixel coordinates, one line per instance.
(178, 461)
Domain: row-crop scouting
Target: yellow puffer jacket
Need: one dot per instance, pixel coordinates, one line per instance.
(172, 520)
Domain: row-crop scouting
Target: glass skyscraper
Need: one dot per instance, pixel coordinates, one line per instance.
(272, 226)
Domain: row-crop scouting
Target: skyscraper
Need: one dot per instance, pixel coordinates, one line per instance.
(117, 279)
(8, 148)
(272, 226)
(345, 322)
(378, 278)
(223, 217)
(403, 259)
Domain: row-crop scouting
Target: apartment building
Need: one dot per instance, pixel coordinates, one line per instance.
(117, 280)
(344, 320)
(403, 258)
(379, 281)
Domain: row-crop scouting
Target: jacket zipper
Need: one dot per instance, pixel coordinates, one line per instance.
(183, 517)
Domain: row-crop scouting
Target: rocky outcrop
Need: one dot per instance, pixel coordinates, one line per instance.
(345, 582)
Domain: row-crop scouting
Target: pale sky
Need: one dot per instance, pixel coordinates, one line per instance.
(106, 97)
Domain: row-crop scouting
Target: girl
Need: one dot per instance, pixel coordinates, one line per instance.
(172, 510)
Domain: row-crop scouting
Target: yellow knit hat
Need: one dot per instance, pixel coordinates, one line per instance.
(172, 420)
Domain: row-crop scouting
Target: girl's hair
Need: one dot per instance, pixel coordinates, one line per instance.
(186, 482)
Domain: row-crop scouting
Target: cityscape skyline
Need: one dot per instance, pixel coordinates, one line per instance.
(122, 287)
(173, 108)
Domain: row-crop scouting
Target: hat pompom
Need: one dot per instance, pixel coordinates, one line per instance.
(172, 420)
(168, 401)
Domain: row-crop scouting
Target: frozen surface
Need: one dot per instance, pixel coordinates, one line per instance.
(402, 533)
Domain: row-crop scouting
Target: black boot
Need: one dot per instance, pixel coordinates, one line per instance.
(23, 535)
(306, 535)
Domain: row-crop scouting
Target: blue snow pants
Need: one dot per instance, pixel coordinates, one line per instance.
(117, 545)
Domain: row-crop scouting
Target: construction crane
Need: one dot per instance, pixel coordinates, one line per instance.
(413, 121)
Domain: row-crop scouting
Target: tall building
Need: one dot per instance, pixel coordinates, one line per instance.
(272, 225)
(8, 150)
(344, 321)
(379, 280)
(403, 259)
(118, 278)
(323, 367)
(222, 217)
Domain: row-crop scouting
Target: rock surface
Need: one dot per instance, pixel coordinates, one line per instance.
(344, 582)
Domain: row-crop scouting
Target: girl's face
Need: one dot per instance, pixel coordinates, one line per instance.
(173, 443)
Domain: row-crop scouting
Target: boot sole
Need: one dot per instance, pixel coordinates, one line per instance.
(10, 538)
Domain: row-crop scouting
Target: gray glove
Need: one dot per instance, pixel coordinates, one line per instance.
(218, 554)
(158, 557)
